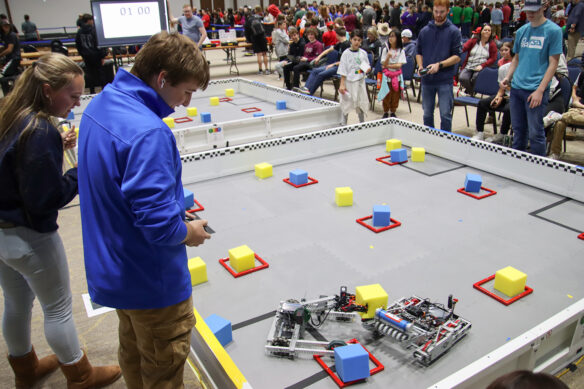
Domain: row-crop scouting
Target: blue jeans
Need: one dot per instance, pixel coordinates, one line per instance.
(527, 122)
(317, 77)
(34, 264)
(445, 101)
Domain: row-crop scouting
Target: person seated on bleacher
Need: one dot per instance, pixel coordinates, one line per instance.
(372, 44)
(409, 44)
(482, 53)
(9, 54)
(574, 117)
(281, 43)
(295, 52)
(311, 50)
(320, 74)
(93, 57)
(499, 103)
(329, 38)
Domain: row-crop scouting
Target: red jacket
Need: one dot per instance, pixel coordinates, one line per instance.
(492, 52)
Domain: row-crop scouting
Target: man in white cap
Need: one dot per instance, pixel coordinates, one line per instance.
(409, 45)
(538, 45)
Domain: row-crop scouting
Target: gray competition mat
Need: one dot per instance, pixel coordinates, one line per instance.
(447, 242)
(227, 111)
(563, 213)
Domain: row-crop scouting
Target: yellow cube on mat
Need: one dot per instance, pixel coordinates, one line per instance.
(192, 111)
(263, 170)
(344, 196)
(169, 122)
(510, 281)
(214, 100)
(198, 270)
(229, 92)
(241, 258)
(418, 154)
(392, 144)
(372, 295)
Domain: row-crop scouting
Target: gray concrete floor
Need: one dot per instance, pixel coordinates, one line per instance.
(98, 335)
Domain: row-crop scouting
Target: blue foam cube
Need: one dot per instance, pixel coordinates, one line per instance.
(71, 116)
(221, 328)
(189, 198)
(352, 362)
(258, 114)
(280, 104)
(206, 117)
(298, 177)
(381, 215)
(399, 155)
(473, 183)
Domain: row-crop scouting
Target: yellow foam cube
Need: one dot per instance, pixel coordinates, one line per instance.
(418, 154)
(374, 296)
(263, 170)
(214, 100)
(192, 111)
(392, 144)
(169, 122)
(344, 196)
(198, 270)
(241, 258)
(510, 281)
(229, 92)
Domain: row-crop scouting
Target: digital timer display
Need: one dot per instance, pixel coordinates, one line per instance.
(132, 18)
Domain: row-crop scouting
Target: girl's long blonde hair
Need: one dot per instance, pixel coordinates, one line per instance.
(27, 97)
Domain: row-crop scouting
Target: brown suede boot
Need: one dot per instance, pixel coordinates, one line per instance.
(82, 375)
(28, 369)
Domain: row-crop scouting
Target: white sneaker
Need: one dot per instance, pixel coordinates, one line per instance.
(498, 138)
(554, 156)
(479, 136)
(551, 118)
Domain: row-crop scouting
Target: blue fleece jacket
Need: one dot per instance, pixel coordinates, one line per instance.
(132, 202)
(435, 44)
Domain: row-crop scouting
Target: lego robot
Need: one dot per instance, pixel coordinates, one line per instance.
(293, 317)
(430, 329)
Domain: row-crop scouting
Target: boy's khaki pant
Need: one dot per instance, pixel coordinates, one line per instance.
(574, 116)
(154, 345)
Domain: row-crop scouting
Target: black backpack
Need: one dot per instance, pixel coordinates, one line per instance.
(257, 27)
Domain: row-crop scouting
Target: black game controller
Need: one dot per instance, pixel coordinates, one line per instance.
(424, 71)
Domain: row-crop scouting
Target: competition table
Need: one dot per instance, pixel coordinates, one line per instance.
(446, 243)
(233, 121)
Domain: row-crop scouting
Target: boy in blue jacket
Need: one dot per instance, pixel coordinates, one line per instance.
(132, 209)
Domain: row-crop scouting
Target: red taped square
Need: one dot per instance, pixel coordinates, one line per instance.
(394, 223)
(225, 99)
(383, 160)
(250, 110)
(201, 208)
(490, 192)
(378, 367)
(263, 265)
(183, 120)
(478, 286)
(310, 182)
(581, 236)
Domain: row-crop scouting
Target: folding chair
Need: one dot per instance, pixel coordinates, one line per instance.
(485, 84)
(408, 75)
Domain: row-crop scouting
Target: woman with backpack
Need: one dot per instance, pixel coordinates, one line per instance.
(257, 34)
